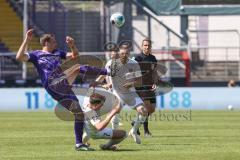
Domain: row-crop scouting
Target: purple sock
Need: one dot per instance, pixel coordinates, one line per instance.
(78, 128)
(92, 70)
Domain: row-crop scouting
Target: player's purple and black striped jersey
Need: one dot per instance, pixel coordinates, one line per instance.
(47, 64)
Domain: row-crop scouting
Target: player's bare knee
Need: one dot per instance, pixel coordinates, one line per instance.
(150, 108)
(151, 111)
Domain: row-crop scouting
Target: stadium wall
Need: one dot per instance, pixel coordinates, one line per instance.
(158, 33)
(223, 39)
(37, 99)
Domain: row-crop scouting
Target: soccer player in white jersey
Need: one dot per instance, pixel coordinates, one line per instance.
(125, 76)
(96, 127)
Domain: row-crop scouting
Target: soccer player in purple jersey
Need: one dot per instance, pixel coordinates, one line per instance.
(58, 83)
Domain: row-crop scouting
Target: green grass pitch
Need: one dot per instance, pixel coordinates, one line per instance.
(41, 136)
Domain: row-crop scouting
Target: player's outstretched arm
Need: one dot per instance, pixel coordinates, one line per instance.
(107, 86)
(136, 82)
(103, 124)
(21, 56)
(71, 44)
(100, 78)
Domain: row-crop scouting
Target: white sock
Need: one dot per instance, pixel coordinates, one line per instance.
(138, 122)
(78, 144)
(85, 138)
(115, 121)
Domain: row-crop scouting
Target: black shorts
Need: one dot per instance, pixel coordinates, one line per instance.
(146, 94)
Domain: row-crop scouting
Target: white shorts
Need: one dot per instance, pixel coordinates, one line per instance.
(106, 133)
(131, 99)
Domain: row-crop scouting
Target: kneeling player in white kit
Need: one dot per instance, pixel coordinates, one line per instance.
(95, 127)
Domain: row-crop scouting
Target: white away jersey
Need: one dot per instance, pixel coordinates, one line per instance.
(123, 73)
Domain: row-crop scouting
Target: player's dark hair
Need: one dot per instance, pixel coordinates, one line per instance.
(126, 44)
(148, 40)
(96, 98)
(123, 46)
(45, 38)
